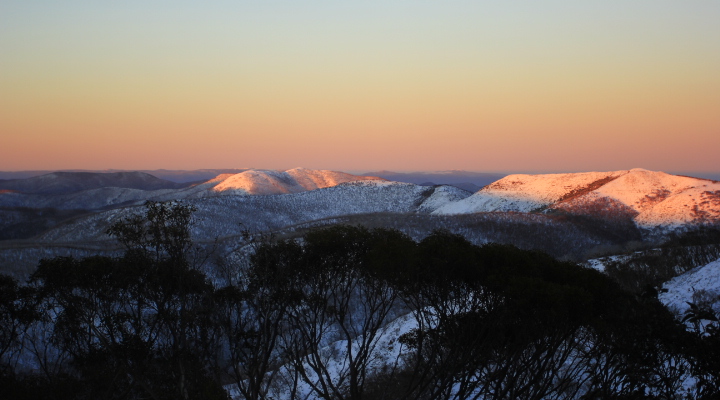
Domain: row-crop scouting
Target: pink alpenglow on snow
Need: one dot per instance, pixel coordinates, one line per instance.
(258, 182)
(651, 198)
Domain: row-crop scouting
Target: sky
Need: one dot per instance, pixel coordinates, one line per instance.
(492, 86)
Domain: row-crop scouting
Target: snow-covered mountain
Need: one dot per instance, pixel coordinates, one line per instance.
(280, 201)
(85, 190)
(219, 216)
(261, 182)
(650, 198)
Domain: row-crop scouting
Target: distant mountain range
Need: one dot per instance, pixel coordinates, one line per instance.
(572, 216)
(76, 207)
(70, 182)
(268, 199)
(93, 190)
(473, 180)
(647, 197)
(178, 176)
(470, 181)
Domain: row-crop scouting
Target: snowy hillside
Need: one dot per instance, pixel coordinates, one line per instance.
(91, 191)
(652, 199)
(386, 353)
(219, 216)
(702, 284)
(57, 223)
(525, 193)
(261, 182)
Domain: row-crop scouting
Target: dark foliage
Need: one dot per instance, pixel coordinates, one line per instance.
(492, 322)
(644, 272)
(128, 328)
(26, 222)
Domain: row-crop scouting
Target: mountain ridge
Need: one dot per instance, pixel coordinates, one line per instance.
(62, 182)
(296, 180)
(466, 180)
(650, 198)
(86, 190)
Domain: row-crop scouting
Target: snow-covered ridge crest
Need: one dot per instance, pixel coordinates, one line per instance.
(525, 193)
(296, 180)
(651, 198)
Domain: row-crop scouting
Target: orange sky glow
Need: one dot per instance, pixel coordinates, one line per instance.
(392, 85)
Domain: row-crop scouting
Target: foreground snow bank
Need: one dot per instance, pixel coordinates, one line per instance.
(701, 284)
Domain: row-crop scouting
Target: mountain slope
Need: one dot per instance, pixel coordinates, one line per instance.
(261, 182)
(525, 193)
(650, 198)
(700, 285)
(219, 216)
(91, 191)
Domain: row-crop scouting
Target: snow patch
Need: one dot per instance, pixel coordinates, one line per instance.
(700, 283)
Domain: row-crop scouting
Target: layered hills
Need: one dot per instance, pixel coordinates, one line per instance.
(569, 216)
(261, 199)
(70, 210)
(91, 191)
(648, 198)
(70, 182)
(467, 180)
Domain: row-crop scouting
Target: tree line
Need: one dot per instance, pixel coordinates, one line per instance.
(312, 318)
